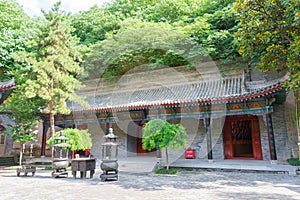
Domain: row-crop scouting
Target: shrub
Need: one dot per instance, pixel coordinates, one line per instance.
(166, 171)
(294, 161)
(77, 139)
(48, 167)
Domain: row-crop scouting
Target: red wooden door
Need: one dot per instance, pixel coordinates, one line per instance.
(228, 146)
(228, 135)
(256, 143)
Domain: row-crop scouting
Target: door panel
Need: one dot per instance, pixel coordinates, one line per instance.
(228, 147)
(242, 138)
(257, 152)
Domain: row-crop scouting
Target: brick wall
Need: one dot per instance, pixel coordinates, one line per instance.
(290, 109)
(280, 132)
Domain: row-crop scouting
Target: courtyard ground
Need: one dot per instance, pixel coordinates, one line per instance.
(144, 186)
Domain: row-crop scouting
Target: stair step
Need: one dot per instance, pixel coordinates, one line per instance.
(7, 161)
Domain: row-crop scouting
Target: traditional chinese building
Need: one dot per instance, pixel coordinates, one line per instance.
(5, 90)
(226, 115)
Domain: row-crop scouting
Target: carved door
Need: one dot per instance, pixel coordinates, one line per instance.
(242, 138)
(257, 152)
(2, 141)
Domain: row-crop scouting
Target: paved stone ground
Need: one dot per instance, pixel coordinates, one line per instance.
(144, 186)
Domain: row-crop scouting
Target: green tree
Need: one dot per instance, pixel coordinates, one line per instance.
(169, 11)
(21, 132)
(139, 43)
(54, 64)
(269, 39)
(160, 134)
(131, 33)
(16, 29)
(23, 112)
(77, 139)
(94, 25)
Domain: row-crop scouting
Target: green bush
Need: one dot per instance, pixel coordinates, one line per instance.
(294, 161)
(48, 167)
(166, 171)
(77, 139)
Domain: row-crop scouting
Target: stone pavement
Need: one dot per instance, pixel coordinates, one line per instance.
(137, 164)
(140, 164)
(258, 166)
(148, 186)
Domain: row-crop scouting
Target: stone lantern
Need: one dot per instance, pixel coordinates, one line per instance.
(109, 164)
(60, 160)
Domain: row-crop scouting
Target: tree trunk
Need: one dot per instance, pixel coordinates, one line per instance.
(297, 99)
(52, 130)
(167, 159)
(21, 154)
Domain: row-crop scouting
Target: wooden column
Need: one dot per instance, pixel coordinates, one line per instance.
(108, 123)
(271, 137)
(44, 138)
(107, 126)
(208, 138)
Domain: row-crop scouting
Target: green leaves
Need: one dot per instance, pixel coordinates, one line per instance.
(155, 33)
(161, 134)
(54, 62)
(139, 43)
(77, 139)
(269, 34)
(21, 132)
(16, 29)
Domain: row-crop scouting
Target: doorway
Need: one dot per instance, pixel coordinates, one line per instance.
(134, 140)
(242, 138)
(139, 141)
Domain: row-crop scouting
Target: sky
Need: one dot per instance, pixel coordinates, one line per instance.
(33, 7)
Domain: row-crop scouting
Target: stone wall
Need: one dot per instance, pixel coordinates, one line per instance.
(285, 136)
(217, 138)
(264, 139)
(97, 132)
(120, 129)
(280, 131)
(290, 119)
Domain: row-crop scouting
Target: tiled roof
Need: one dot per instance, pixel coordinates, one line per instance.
(218, 90)
(5, 89)
(7, 85)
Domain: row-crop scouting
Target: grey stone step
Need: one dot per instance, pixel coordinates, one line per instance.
(7, 161)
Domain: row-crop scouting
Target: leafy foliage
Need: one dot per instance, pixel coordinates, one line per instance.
(16, 29)
(139, 43)
(54, 64)
(269, 39)
(139, 32)
(164, 10)
(160, 134)
(21, 132)
(94, 25)
(23, 113)
(77, 139)
(294, 161)
(165, 171)
(269, 35)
